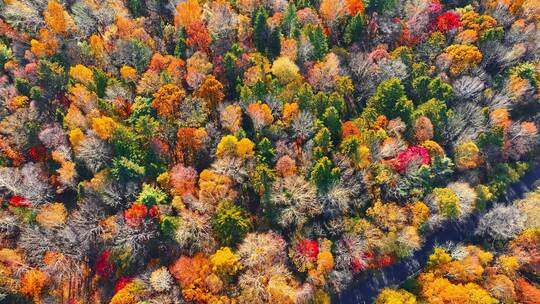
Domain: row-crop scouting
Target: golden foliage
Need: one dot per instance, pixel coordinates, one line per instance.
(103, 127)
(51, 215)
(58, 20)
(187, 13)
(167, 99)
(46, 46)
(462, 57)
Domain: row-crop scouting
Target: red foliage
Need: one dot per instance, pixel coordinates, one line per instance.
(121, 283)
(385, 260)
(349, 129)
(528, 294)
(448, 21)
(308, 248)
(357, 264)
(104, 268)
(19, 201)
(413, 153)
(153, 212)
(198, 36)
(134, 216)
(37, 153)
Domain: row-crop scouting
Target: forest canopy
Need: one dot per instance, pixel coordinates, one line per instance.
(264, 151)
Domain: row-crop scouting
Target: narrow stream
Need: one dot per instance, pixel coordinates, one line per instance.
(367, 286)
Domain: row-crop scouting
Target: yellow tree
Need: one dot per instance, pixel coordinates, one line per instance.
(57, 19)
(211, 91)
(187, 13)
(167, 99)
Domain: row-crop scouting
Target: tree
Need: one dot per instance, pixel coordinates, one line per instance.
(320, 44)
(266, 151)
(187, 13)
(285, 70)
(51, 76)
(447, 202)
(32, 283)
(167, 100)
(273, 48)
(390, 296)
(467, 156)
(501, 223)
(462, 57)
(261, 32)
(231, 222)
(58, 19)
(136, 7)
(289, 24)
(354, 29)
(211, 91)
(198, 37)
(332, 122)
(391, 101)
(324, 174)
(380, 6)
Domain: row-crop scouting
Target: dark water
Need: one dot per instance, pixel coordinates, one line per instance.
(367, 286)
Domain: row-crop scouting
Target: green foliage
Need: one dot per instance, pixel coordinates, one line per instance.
(390, 100)
(441, 169)
(484, 196)
(126, 143)
(150, 196)
(23, 86)
(323, 174)
(447, 201)
(323, 142)
(437, 112)
(289, 24)
(492, 139)
(231, 223)
(502, 175)
(440, 90)
(229, 63)
(5, 54)
(527, 71)
(266, 151)
(319, 41)
(273, 47)
(261, 32)
(137, 8)
(380, 6)
(100, 82)
(142, 106)
(123, 169)
(261, 179)
(492, 34)
(355, 29)
(305, 96)
(181, 46)
(51, 76)
(404, 53)
(168, 226)
(332, 122)
(420, 87)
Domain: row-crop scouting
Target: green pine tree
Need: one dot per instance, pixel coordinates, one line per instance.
(290, 21)
(261, 32)
(354, 29)
(274, 44)
(332, 122)
(324, 174)
(320, 43)
(266, 151)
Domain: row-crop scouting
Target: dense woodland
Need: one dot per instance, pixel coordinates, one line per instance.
(265, 151)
